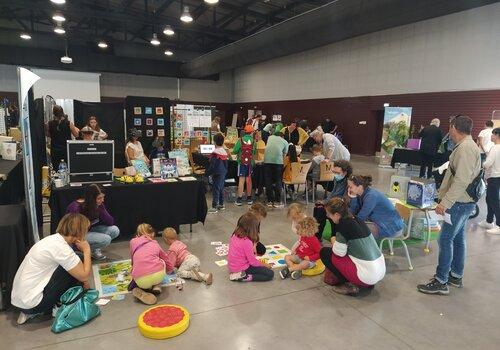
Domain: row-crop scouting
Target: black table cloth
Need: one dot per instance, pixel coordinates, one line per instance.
(15, 241)
(161, 204)
(232, 165)
(414, 157)
(12, 189)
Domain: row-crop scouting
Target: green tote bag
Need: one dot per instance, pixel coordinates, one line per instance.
(78, 307)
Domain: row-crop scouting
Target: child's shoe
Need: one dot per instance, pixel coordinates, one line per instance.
(213, 210)
(248, 278)
(250, 200)
(237, 276)
(143, 296)
(239, 201)
(208, 279)
(270, 204)
(296, 275)
(279, 205)
(285, 273)
(156, 290)
(221, 207)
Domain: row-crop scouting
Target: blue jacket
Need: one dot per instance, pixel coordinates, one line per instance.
(373, 205)
(218, 163)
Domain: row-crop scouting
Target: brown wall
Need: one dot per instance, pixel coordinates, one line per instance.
(365, 139)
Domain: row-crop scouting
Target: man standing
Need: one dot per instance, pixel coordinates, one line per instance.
(456, 206)
(484, 140)
(333, 149)
(431, 137)
(276, 149)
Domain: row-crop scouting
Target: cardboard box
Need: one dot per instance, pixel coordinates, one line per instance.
(421, 192)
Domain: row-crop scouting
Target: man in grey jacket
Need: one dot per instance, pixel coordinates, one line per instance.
(456, 206)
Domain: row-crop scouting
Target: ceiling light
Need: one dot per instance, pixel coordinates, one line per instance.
(154, 40)
(25, 36)
(186, 16)
(169, 53)
(59, 29)
(58, 17)
(102, 44)
(211, 2)
(58, 2)
(168, 31)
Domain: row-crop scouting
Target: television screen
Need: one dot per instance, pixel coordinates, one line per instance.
(90, 158)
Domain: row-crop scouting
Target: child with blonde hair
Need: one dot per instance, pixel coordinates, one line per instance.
(187, 264)
(150, 264)
(295, 213)
(305, 252)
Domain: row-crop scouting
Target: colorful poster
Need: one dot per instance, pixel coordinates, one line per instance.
(137, 121)
(396, 131)
(161, 133)
(178, 124)
(159, 110)
(148, 110)
(137, 110)
(160, 122)
(149, 133)
(149, 121)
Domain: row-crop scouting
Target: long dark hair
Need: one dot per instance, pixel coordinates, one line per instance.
(292, 154)
(89, 206)
(338, 205)
(58, 112)
(363, 180)
(97, 127)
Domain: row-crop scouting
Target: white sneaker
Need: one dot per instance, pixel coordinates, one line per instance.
(486, 225)
(23, 318)
(98, 255)
(494, 231)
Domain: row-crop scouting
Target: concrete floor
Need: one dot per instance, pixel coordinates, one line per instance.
(299, 314)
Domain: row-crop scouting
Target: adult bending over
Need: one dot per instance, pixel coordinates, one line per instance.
(294, 134)
(102, 230)
(355, 259)
(133, 148)
(51, 267)
(369, 204)
(333, 149)
(431, 137)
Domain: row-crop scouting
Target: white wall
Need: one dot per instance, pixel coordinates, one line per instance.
(8, 78)
(62, 84)
(455, 52)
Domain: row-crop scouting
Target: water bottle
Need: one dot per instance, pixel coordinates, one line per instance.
(163, 171)
(63, 170)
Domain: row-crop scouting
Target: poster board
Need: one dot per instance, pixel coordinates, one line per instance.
(395, 133)
(191, 121)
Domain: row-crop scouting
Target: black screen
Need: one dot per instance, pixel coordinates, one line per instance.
(90, 157)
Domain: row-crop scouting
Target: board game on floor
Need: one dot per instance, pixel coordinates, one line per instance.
(275, 255)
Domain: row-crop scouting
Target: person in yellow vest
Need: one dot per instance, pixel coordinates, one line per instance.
(295, 134)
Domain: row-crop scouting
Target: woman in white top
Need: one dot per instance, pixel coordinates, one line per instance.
(133, 149)
(51, 267)
(492, 168)
(99, 134)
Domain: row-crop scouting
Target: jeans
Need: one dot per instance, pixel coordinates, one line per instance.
(218, 190)
(101, 236)
(274, 178)
(492, 200)
(59, 283)
(260, 273)
(452, 245)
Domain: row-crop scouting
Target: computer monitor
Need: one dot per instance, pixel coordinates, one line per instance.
(90, 161)
(207, 149)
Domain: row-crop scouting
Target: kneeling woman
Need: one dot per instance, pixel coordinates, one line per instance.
(354, 260)
(102, 230)
(51, 267)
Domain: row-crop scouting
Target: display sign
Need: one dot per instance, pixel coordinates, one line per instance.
(207, 149)
(90, 161)
(396, 131)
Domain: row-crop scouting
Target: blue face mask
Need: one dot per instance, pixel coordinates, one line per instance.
(339, 177)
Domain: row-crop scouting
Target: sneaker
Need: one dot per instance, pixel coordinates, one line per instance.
(250, 201)
(143, 296)
(285, 273)
(237, 276)
(239, 202)
(270, 204)
(352, 289)
(279, 205)
(156, 290)
(485, 224)
(221, 207)
(23, 318)
(455, 281)
(434, 287)
(54, 310)
(296, 275)
(98, 255)
(494, 231)
(213, 211)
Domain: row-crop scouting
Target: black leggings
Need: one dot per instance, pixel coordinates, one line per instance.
(260, 273)
(492, 200)
(274, 178)
(326, 257)
(59, 283)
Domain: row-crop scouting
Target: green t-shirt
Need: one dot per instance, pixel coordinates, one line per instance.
(276, 149)
(237, 147)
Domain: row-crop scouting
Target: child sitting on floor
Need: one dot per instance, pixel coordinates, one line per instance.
(242, 263)
(260, 211)
(305, 251)
(150, 265)
(295, 213)
(188, 265)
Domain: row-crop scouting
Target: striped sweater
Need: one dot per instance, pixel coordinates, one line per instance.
(355, 240)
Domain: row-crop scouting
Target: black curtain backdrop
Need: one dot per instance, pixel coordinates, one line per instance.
(144, 103)
(38, 151)
(110, 118)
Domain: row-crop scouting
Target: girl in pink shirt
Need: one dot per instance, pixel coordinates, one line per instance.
(242, 264)
(150, 264)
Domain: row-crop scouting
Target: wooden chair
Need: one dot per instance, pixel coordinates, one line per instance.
(405, 214)
(326, 174)
(299, 177)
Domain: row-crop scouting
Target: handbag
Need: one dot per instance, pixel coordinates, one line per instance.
(476, 188)
(78, 307)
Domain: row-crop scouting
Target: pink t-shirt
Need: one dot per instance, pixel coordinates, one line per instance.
(178, 252)
(149, 257)
(241, 256)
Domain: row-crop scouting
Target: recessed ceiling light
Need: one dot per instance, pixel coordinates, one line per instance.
(186, 16)
(154, 40)
(58, 2)
(102, 44)
(66, 60)
(59, 30)
(58, 17)
(168, 31)
(25, 36)
(211, 2)
(169, 53)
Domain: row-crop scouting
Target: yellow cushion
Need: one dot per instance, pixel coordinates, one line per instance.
(153, 330)
(316, 270)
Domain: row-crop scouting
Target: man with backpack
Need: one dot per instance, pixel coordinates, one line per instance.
(245, 149)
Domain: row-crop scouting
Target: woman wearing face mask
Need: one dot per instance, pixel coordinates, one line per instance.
(343, 171)
(354, 261)
(372, 206)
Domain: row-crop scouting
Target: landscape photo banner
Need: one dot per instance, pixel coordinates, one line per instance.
(396, 131)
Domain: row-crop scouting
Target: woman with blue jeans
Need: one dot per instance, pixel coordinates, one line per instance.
(102, 225)
(372, 206)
